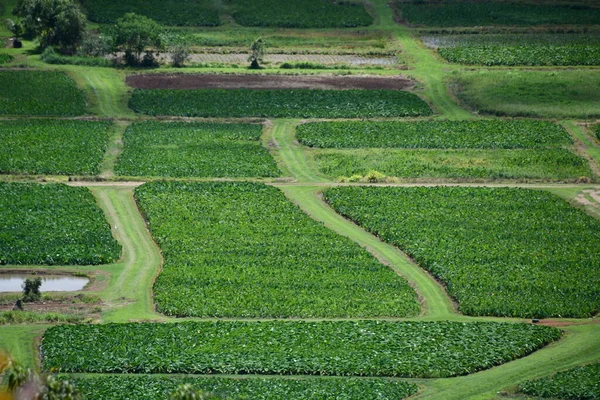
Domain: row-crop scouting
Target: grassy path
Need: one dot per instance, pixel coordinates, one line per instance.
(19, 342)
(589, 147)
(115, 148)
(129, 291)
(435, 302)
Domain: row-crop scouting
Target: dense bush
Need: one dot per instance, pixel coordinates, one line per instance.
(180, 149)
(53, 224)
(5, 58)
(576, 383)
(499, 251)
(244, 250)
(365, 348)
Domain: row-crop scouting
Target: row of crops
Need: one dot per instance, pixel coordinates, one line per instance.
(158, 387)
(499, 251)
(250, 252)
(575, 383)
(491, 13)
(53, 224)
(364, 348)
(280, 103)
(272, 13)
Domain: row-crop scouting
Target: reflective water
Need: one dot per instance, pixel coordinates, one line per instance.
(50, 283)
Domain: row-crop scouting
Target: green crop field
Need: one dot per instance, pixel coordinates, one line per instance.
(542, 164)
(55, 147)
(486, 13)
(148, 387)
(365, 348)
(499, 251)
(39, 93)
(550, 94)
(280, 103)
(170, 12)
(53, 224)
(251, 253)
(576, 383)
(179, 149)
(300, 13)
(483, 134)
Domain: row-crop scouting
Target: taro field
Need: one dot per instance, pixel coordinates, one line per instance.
(427, 230)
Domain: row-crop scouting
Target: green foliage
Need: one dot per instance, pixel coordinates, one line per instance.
(49, 56)
(364, 348)
(31, 289)
(165, 12)
(257, 52)
(49, 146)
(53, 224)
(300, 13)
(482, 134)
(27, 317)
(243, 250)
(555, 94)
(199, 149)
(58, 23)
(546, 164)
(280, 103)
(575, 383)
(187, 392)
(39, 93)
(135, 34)
(486, 13)
(5, 58)
(499, 251)
(149, 387)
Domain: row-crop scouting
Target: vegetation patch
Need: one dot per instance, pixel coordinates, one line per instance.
(282, 103)
(300, 13)
(169, 12)
(366, 348)
(490, 13)
(40, 93)
(53, 224)
(243, 250)
(482, 134)
(543, 164)
(575, 383)
(499, 251)
(555, 94)
(47, 146)
(144, 387)
(180, 149)
(5, 58)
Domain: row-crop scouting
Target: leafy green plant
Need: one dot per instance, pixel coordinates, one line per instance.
(364, 348)
(199, 149)
(50, 146)
(31, 289)
(156, 387)
(281, 103)
(5, 58)
(243, 250)
(39, 93)
(575, 383)
(481, 134)
(499, 251)
(300, 13)
(53, 224)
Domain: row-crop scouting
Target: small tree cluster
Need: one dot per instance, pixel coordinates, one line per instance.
(135, 34)
(31, 289)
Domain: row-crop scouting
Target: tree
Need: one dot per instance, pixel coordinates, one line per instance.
(135, 34)
(31, 289)
(59, 23)
(257, 52)
(17, 30)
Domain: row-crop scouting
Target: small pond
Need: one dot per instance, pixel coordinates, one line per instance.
(50, 283)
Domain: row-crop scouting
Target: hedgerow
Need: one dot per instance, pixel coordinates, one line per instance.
(482, 134)
(39, 93)
(300, 13)
(165, 12)
(280, 103)
(47, 146)
(575, 383)
(243, 250)
(53, 224)
(365, 348)
(180, 149)
(499, 251)
(152, 387)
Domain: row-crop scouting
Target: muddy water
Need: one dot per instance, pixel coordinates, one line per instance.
(50, 283)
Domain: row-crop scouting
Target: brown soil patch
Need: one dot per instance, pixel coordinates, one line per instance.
(195, 81)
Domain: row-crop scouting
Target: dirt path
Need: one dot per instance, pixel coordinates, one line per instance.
(251, 81)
